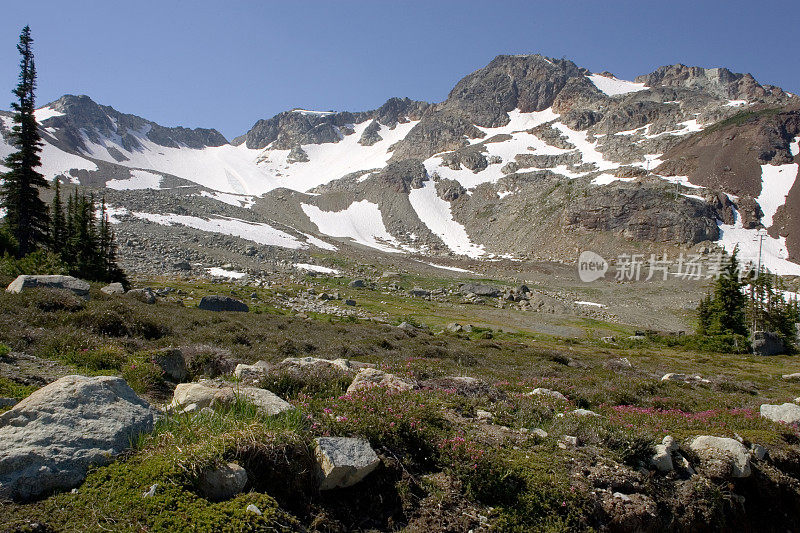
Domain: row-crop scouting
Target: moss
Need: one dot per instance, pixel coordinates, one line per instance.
(12, 389)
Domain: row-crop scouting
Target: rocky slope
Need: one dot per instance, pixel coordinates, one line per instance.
(528, 157)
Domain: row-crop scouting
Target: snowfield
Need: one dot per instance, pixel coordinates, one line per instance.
(140, 179)
(252, 231)
(435, 213)
(614, 86)
(361, 222)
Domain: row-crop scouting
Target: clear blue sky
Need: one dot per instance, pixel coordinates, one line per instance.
(226, 64)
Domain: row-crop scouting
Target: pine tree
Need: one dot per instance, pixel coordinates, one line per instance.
(26, 213)
(58, 223)
(729, 303)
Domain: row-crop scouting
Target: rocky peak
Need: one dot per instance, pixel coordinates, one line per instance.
(718, 81)
(83, 116)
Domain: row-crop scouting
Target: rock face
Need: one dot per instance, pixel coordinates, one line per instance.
(767, 343)
(224, 482)
(49, 439)
(721, 457)
(27, 281)
(372, 377)
(222, 303)
(251, 373)
(788, 413)
(343, 461)
(190, 397)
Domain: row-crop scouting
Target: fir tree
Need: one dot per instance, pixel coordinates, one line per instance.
(26, 213)
(729, 303)
(58, 223)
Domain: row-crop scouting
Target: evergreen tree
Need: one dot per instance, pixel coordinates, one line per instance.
(26, 213)
(58, 223)
(704, 315)
(727, 315)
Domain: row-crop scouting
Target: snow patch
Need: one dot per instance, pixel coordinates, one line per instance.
(613, 86)
(361, 222)
(252, 231)
(140, 179)
(592, 304)
(45, 113)
(454, 269)
(316, 268)
(774, 253)
(222, 273)
(435, 213)
(238, 200)
(776, 182)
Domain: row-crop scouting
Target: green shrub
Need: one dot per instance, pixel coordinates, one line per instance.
(143, 374)
(109, 357)
(318, 381)
(38, 262)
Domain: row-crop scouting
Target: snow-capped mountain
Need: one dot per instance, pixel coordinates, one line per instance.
(529, 157)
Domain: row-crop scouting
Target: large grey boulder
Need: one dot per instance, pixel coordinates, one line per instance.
(479, 290)
(223, 482)
(28, 281)
(788, 413)
(113, 288)
(372, 377)
(252, 373)
(222, 303)
(721, 457)
(344, 461)
(172, 362)
(190, 397)
(50, 439)
(767, 343)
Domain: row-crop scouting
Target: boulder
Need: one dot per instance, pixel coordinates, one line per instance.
(372, 377)
(662, 455)
(223, 482)
(350, 302)
(50, 439)
(792, 377)
(113, 288)
(190, 397)
(357, 284)
(419, 293)
(547, 392)
(788, 413)
(767, 343)
(344, 461)
(583, 412)
(721, 457)
(222, 303)
(479, 290)
(28, 281)
(145, 295)
(172, 363)
(310, 362)
(252, 373)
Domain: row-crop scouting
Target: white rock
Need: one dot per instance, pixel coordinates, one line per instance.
(344, 461)
(251, 373)
(547, 392)
(253, 509)
(539, 432)
(480, 414)
(224, 482)
(670, 444)
(788, 413)
(722, 457)
(372, 377)
(113, 288)
(792, 377)
(662, 459)
(215, 394)
(150, 493)
(683, 378)
(27, 281)
(50, 439)
(583, 412)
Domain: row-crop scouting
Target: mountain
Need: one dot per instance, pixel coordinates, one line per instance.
(528, 158)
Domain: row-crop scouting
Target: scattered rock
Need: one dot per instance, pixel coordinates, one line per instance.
(113, 288)
(372, 377)
(758, 451)
(309, 362)
(788, 413)
(145, 295)
(480, 414)
(151, 491)
(253, 509)
(792, 377)
(357, 284)
(584, 412)
(344, 461)
(568, 441)
(50, 439)
(223, 303)
(190, 397)
(662, 458)
(224, 482)
(683, 378)
(350, 302)
(539, 432)
(547, 392)
(455, 328)
(721, 457)
(419, 293)
(479, 290)
(28, 281)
